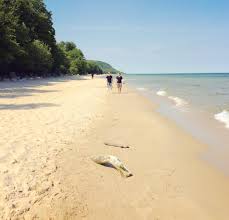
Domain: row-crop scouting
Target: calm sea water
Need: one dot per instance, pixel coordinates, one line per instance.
(197, 102)
(206, 92)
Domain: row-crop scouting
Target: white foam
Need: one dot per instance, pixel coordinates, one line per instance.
(179, 102)
(223, 117)
(161, 93)
(141, 89)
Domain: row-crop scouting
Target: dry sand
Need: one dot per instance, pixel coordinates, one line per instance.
(49, 130)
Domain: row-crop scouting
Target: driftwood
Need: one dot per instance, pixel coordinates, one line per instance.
(114, 162)
(116, 145)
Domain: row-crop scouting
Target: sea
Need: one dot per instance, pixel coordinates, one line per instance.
(197, 102)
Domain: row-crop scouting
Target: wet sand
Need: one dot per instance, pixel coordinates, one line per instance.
(50, 129)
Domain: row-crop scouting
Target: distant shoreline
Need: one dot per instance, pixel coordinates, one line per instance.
(177, 73)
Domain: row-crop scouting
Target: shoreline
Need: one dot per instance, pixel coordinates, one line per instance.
(200, 124)
(49, 174)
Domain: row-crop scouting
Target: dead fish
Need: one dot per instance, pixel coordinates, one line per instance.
(112, 161)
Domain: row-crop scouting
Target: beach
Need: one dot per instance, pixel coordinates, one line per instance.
(50, 129)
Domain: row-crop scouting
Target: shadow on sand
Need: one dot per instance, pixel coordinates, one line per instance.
(22, 92)
(23, 88)
(26, 106)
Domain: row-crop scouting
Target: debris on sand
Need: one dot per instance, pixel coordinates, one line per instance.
(14, 161)
(112, 161)
(116, 145)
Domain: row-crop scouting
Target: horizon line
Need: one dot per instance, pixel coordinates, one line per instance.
(138, 73)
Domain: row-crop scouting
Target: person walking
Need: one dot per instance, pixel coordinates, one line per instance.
(109, 81)
(119, 79)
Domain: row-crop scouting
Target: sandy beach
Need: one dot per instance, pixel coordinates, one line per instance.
(49, 130)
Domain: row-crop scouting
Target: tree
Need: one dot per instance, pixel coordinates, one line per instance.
(61, 62)
(28, 45)
(34, 23)
(69, 46)
(9, 46)
(92, 67)
(41, 60)
(75, 57)
(74, 68)
(82, 66)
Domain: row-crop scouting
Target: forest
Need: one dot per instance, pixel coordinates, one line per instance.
(28, 46)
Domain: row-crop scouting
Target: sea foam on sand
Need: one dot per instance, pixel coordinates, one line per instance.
(223, 117)
(161, 93)
(141, 89)
(179, 102)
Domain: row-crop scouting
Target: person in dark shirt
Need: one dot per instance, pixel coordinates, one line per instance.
(109, 81)
(119, 82)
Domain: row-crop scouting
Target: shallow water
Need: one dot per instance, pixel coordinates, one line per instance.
(198, 103)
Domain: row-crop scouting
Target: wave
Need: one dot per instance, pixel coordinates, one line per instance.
(223, 117)
(161, 93)
(141, 89)
(178, 101)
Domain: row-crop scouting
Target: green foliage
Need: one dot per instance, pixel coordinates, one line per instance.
(105, 67)
(61, 63)
(41, 59)
(75, 58)
(92, 67)
(73, 68)
(28, 45)
(9, 47)
(27, 37)
(68, 46)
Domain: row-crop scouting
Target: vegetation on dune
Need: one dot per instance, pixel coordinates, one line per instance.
(104, 66)
(28, 46)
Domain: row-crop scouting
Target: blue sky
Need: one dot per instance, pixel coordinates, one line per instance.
(148, 36)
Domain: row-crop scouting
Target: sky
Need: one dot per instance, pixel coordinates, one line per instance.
(148, 36)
